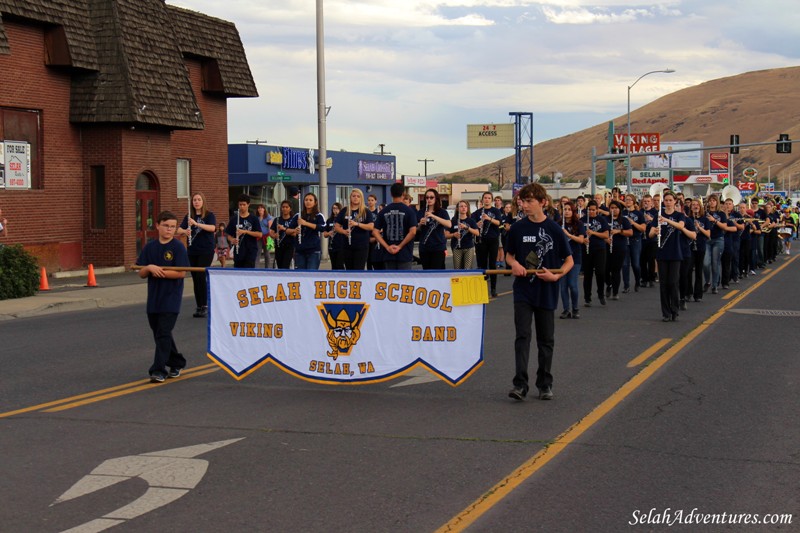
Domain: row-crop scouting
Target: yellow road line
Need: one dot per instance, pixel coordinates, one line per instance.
(149, 386)
(730, 294)
(645, 355)
(138, 383)
(502, 489)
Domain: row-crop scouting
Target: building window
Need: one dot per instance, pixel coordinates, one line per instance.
(343, 194)
(25, 125)
(98, 197)
(184, 176)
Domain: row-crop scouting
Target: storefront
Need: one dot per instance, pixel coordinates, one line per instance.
(267, 173)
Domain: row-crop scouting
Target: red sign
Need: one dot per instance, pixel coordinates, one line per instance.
(640, 142)
(718, 162)
(749, 186)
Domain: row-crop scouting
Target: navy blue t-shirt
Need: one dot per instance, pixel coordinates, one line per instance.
(577, 248)
(599, 225)
(396, 221)
(284, 240)
(546, 240)
(336, 241)
(636, 216)
(431, 235)
(619, 240)
(686, 242)
(704, 223)
(670, 249)
(735, 218)
(164, 295)
(719, 216)
(489, 230)
(467, 238)
(308, 240)
(248, 245)
(359, 237)
(202, 240)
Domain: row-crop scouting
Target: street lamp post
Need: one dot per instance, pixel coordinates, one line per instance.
(628, 143)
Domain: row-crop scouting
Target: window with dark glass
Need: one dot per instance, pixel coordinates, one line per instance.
(98, 200)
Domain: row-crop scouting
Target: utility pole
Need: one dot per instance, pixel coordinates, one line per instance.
(426, 164)
(382, 152)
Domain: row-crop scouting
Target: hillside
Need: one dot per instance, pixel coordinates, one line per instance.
(755, 105)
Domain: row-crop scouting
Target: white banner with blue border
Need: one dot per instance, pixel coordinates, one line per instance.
(346, 327)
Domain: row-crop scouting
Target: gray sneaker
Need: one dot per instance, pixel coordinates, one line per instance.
(157, 378)
(174, 372)
(546, 393)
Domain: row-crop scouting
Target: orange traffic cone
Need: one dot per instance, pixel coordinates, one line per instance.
(91, 282)
(43, 285)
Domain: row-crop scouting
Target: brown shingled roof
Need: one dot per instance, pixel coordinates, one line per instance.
(128, 58)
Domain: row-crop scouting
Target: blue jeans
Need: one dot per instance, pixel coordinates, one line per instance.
(632, 259)
(307, 260)
(569, 288)
(712, 262)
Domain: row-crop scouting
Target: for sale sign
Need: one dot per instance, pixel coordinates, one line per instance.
(17, 163)
(640, 143)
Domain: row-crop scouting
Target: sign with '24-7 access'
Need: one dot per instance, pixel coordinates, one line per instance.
(640, 143)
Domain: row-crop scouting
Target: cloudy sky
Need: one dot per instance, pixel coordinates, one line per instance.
(411, 74)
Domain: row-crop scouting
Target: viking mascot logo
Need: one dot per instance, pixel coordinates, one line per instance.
(343, 322)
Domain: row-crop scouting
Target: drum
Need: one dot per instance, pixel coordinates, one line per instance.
(784, 233)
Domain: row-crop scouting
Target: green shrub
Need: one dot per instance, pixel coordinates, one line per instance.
(19, 273)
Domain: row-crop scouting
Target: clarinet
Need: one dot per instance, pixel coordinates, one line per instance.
(484, 225)
(189, 226)
(299, 227)
(350, 231)
(431, 227)
(460, 234)
(236, 246)
(611, 238)
(658, 221)
(588, 225)
(694, 242)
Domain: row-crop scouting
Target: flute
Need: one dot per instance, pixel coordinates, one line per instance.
(611, 237)
(236, 246)
(588, 225)
(658, 221)
(300, 229)
(460, 235)
(350, 231)
(189, 227)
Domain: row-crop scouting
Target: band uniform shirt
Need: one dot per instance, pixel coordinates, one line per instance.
(547, 241)
(492, 231)
(431, 235)
(202, 240)
(309, 240)
(396, 221)
(620, 241)
(719, 216)
(467, 238)
(599, 225)
(670, 249)
(686, 242)
(359, 237)
(636, 216)
(284, 240)
(247, 250)
(577, 249)
(164, 295)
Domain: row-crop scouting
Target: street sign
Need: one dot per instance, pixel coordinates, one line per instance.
(280, 176)
(490, 136)
(750, 173)
(640, 142)
(718, 162)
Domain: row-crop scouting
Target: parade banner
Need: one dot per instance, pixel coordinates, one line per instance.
(347, 327)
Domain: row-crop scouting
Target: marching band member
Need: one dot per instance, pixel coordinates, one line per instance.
(336, 241)
(306, 226)
(433, 220)
(730, 255)
(535, 242)
(633, 258)
(244, 233)
(666, 229)
(746, 240)
(575, 231)
(395, 229)
(619, 231)
(372, 207)
(649, 246)
(702, 227)
(687, 238)
(770, 233)
(758, 244)
(488, 220)
(712, 267)
(354, 227)
(595, 258)
(462, 237)
(200, 225)
(284, 241)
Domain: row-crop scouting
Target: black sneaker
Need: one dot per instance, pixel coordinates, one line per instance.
(565, 314)
(197, 312)
(546, 393)
(174, 372)
(494, 294)
(626, 290)
(706, 287)
(636, 288)
(608, 291)
(726, 287)
(576, 313)
(683, 305)
(517, 394)
(157, 378)
(587, 303)
(602, 301)
(714, 290)
(615, 296)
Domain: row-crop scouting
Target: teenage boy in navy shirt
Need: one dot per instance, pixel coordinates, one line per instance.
(535, 242)
(394, 230)
(164, 294)
(244, 234)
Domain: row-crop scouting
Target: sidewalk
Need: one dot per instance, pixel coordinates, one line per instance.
(116, 286)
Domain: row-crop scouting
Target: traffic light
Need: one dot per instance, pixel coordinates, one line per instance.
(784, 145)
(734, 144)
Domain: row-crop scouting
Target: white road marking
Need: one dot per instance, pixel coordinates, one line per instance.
(418, 376)
(169, 473)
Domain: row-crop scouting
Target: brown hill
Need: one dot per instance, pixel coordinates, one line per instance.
(755, 105)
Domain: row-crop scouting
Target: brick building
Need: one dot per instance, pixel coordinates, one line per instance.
(123, 105)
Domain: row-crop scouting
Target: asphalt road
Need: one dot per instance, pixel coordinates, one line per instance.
(709, 421)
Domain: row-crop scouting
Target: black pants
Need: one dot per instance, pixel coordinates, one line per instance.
(771, 245)
(594, 263)
(695, 277)
(433, 260)
(648, 260)
(166, 354)
(355, 258)
(543, 319)
(614, 269)
(199, 278)
(337, 259)
(283, 256)
(684, 280)
(744, 256)
(668, 277)
(726, 268)
(486, 254)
